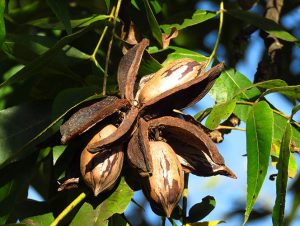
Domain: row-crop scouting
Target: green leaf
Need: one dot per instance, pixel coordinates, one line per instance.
(206, 223)
(76, 23)
(117, 220)
(107, 3)
(61, 10)
(14, 180)
(219, 112)
(70, 97)
(39, 220)
(202, 114)
(282, 177)
(197, 17)
(149, 65)
(2, 24)
(19, 124)
(200, 210)
(117, 202)
(156, 32)
(292, 92)
(259, 132)
(242, 111)
(265, 85)
(32, 68)
(229, 83)
(265, 24)
(292, 170)
(28, 208)
(295, 110)
(57, 152)
(178, 53)
(279, 127)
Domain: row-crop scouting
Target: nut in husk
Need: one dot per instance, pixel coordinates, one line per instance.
(173, 75)
(100, 171)
(165, 186)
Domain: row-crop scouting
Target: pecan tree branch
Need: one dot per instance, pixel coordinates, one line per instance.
(269, 68)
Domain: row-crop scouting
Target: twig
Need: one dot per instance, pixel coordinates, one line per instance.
(109, 47)
(68, 209)
(275, 111)
(230, 127)
(212, 55)
(93, 55)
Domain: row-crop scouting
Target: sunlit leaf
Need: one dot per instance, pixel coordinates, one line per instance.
(263, 23)
(229, 83)
(242, 111)
(61, 11)
(282, 177)
(293, 168)
(295, 110)
(265, 85)
(292, 92)
(219, 112)
(117, 202)
(259, 146)
(197, 17)
(179, 53)
(39, 220)
(279, 127)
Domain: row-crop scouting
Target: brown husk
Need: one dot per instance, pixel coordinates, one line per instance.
(87, 117)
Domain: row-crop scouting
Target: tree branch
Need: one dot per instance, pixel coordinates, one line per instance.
(269, 68)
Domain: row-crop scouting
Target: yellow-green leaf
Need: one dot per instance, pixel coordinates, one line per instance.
(219, 112)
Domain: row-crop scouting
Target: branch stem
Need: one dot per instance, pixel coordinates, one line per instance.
(93, 55)
(109, 46)
(68, 209)
(275, 111)
(231, 128)
(212, 55)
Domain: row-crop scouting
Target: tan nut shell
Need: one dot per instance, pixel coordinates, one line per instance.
(173, 75)
(101, 170)
(165, 187)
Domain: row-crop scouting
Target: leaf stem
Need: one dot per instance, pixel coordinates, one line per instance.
(93, 55)
(275, 111)
(212, 55)
(109, 46)
(184, 199)
(68, 209)
(231, 128)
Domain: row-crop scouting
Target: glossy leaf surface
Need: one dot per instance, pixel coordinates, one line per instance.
(258, 150)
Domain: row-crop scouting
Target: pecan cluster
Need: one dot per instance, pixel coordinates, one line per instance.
(142, 128)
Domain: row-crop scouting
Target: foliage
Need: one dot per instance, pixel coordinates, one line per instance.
(57, 55)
